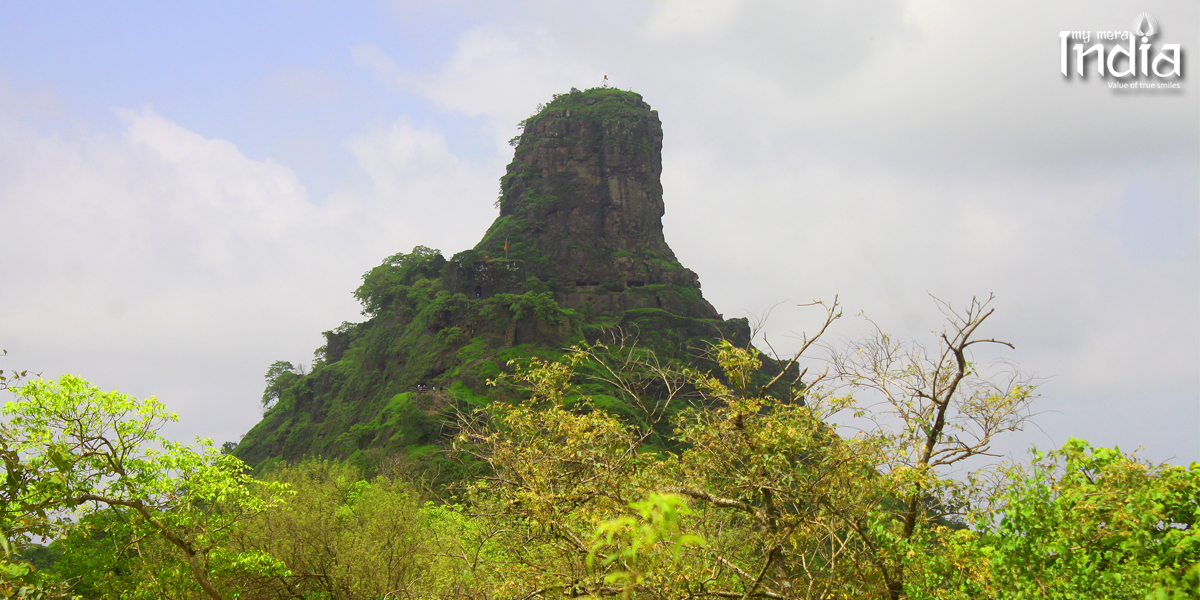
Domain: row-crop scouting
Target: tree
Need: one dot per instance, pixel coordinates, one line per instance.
(21, 521)
(382, 285)
(788, 504)
(630, 541)
(341, 536)
(280, 375)
(564, 470)
(932, 408)
(74, 450)
(1084, 522)
(781, 491)
(12, 377)
(558, 468)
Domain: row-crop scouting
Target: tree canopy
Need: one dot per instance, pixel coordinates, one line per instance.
(609, 472)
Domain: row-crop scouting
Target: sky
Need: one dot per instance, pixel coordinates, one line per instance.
(191, 191)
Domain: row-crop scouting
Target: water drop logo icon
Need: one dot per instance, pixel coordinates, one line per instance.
(1145, 25)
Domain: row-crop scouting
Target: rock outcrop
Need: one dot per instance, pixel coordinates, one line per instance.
(581, 209)
(577, 251)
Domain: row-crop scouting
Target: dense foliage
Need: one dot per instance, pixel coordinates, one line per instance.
(1083, 522)
(609, 472)
(90, 469)
(391, 384)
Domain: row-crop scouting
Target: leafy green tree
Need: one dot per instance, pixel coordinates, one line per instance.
(783, 494)
(762, 472)
(382, 284)
(341, 536)
(636, 544)
(77, 451)
(1178, 586)
(1084, 522)
(101, 556)
(22, 518)
(787, 506)
(558, 467)
(280, 375)
(11, 377)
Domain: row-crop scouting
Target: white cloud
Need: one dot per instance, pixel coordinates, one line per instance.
(495, 74)
(879, 150)
(1080, 309)
(215, 183)
(915, 148)
(917, 84)
(419, 192)
(147, 254)
(163, 262)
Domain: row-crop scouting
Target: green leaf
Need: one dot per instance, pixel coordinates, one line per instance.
(62, 460)
(15, 570)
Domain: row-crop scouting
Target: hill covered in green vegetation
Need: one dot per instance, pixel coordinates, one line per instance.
(577, 254)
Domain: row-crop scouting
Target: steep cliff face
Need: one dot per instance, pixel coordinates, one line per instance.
(581, 208)
(577, 250)
(582, 196)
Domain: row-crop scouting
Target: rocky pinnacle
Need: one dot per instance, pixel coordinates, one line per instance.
(582, 201)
